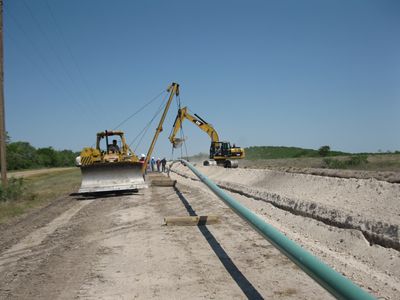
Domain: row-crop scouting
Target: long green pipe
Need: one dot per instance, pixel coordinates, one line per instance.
(335, 283)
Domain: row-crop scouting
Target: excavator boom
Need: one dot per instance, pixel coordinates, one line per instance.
(203, 125)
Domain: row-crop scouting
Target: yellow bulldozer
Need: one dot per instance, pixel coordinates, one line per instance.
(111, 166)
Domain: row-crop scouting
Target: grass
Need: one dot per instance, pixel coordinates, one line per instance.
(39, 190)
(295, 157)
(375, 162)
(275, 152)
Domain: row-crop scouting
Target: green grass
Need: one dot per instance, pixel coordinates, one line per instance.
(40, 190)
(274, 152)
(288, 157)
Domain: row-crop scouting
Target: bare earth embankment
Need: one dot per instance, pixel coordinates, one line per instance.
(353, 224)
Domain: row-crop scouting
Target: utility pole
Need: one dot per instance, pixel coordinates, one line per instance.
(3, 161)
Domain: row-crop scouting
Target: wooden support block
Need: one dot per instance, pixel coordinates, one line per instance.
(163, 182)
(191, 220)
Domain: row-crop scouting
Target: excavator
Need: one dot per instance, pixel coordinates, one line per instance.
(114, 167)
(221, 152)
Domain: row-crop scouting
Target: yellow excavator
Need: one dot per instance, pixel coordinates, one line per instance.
(113, 166)
(221, 152)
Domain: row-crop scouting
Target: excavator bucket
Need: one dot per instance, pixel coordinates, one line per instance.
(112, 177)
(178, 142)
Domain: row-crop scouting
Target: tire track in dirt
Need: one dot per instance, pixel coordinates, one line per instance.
(24, 247)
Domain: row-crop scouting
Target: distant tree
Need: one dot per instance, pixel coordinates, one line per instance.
(66, 158)
(47, 157)
(324, 150)
(21, 155)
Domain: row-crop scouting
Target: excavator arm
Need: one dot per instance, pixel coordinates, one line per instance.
(203, 125)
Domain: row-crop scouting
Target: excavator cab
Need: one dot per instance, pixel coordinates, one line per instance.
(224, 154)
(220, 149)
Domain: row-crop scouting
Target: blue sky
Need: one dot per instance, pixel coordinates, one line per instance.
(290, 73)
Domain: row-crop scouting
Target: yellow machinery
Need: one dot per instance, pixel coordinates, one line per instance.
(112, 166)
(221, 153)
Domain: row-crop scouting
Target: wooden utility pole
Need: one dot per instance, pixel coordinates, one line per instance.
(3, 161)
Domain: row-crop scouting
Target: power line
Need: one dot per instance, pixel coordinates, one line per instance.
(64, 67)
(41, 72)
(38, 52)
(84, 80)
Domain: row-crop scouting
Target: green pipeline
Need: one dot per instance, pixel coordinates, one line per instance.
(335, 283)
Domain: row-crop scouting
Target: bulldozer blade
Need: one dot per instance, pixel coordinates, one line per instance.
(112, 177)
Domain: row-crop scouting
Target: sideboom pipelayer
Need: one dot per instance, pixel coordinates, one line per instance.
(116, 169)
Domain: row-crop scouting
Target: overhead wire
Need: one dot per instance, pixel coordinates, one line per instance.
(61, 86)
(52, 48)
(68, 48)
(37, 68)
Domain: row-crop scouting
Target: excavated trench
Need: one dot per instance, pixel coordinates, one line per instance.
(375, 232)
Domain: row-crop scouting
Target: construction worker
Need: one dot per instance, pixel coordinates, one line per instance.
(158, 162)
(163, 163)
(152, 163)
(114, 147)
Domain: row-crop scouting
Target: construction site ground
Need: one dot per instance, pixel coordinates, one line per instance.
(118, 247)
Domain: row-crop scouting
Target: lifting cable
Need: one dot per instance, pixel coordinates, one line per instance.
(139, 110)
(143, 132)
(182, 135)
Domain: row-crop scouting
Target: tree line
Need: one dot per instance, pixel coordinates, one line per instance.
(22, 155)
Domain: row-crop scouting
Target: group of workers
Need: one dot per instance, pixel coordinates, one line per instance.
(155, 165)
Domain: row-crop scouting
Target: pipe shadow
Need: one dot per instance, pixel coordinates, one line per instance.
(244, 284)
(102, 195)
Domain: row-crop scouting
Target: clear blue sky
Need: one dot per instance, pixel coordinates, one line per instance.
(291, 73)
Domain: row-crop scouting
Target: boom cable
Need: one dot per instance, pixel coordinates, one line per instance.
(143, 132)
(139, 110)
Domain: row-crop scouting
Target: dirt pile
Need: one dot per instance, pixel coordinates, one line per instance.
(367, 205)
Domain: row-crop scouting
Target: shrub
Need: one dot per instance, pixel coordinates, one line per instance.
(324, 150)
(357, 160)
(353, 161)
(14, 190)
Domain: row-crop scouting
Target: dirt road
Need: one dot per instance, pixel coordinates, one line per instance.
(119, 248)
(28, 173)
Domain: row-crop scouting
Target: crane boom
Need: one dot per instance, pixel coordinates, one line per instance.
(173, 89)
